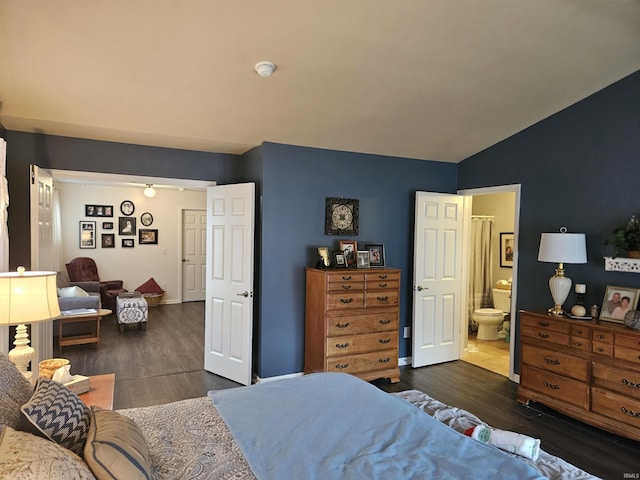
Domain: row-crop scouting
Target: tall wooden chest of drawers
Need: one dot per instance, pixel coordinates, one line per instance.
(587, 370)
(351, 322)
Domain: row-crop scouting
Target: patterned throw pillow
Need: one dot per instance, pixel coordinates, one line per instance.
(25, 456)
(15, 391)
(150, 286)
(59, 414)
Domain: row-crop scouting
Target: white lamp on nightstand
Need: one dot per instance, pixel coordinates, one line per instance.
(561, 248)
(26, 298)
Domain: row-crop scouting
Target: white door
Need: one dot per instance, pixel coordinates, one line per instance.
(437, 281)
(194, 249)
(43, 254)
(229, 281)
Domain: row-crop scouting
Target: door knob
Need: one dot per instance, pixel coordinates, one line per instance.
(420, 288)
(243, 294)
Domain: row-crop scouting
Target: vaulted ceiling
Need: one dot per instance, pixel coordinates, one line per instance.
(427, 79)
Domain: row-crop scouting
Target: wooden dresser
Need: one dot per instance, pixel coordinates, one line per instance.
(351, 322)
(587, 370)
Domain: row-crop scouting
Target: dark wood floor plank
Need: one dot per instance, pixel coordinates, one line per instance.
(165, 363)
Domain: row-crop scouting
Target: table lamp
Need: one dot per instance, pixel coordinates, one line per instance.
(26, 298)
(561, 248)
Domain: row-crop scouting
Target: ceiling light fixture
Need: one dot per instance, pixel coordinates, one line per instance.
(265, 69)
(149, 191)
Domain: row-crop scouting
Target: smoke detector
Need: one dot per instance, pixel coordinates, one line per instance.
(265, 69)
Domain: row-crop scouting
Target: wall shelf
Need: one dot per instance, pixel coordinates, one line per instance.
(620, 264)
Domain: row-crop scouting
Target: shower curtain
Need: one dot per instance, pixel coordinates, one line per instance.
(480, 285)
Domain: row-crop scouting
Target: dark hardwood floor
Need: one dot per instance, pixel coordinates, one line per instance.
(165, 363)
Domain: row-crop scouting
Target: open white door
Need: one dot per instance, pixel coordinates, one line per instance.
(194, 258)
(229, 284)
(437, 278)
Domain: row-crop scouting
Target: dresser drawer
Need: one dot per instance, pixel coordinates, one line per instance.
(345, 286)
(556, 362)
(629, 341)
(580, 331)
(345, 277)
(383, 285)
(363, 363)
(381, 298)
(616, 406)
(602, 336)
(366, 323)
(546, 324)
(629, 354)
(345, 300)
(602, 348)
(374, 279)
(546, 335)
(626, 382)
(368, 342)
(580, 343)
(562, 388)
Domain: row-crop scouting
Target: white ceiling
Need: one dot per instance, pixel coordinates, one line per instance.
(429, 79)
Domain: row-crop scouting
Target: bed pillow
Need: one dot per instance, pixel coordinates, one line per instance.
(26, 456)
(59, 414)
(74, 291)
(116, 447)
(150, 286)
(15, 391)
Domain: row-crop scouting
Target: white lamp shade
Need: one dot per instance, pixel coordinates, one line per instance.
(563, 248)
(28, 297)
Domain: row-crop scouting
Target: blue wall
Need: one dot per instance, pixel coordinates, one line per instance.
(579, 168)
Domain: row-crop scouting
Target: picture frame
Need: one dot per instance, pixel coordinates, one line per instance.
(147, 236)
(108, 240)
(127, 243)
(98, 210)
(127, 208)
(107, 225)
(362, 257)
(613, 308)
(146, 219)
(376, 255)
(506, 249)
(127, 226)
(349, 249)
(325, 259)
(341, 216)
(339, 260)
(87, 234)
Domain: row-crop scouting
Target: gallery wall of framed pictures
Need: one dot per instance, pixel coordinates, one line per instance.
(126, 225)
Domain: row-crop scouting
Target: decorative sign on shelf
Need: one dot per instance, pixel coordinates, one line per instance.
(620, 264)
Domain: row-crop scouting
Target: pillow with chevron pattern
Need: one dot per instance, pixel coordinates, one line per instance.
(58, 414)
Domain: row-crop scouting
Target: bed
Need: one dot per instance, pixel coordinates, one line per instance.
(324, 425)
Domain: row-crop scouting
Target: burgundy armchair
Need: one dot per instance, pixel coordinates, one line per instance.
(84, 269)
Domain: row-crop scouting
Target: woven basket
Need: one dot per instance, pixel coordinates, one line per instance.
(153, 299)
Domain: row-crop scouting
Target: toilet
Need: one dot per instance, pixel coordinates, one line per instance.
(490, 319)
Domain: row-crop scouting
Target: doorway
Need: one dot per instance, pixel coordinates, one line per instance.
(501, 205)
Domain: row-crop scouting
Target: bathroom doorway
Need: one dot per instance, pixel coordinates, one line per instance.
(498, 209)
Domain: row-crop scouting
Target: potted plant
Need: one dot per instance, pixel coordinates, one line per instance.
(626, 238)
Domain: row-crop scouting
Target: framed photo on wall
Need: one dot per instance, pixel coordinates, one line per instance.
(147, 237)
(127, 226)
(127, 243)
(617, 302)
(107, 225)
(87, 233)
(506, 249)
(108, 240)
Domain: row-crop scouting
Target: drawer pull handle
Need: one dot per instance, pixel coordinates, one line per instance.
(342, 325)
(383, 285)
(382, 299)
(630, 384)
(600, 349)
(544, 324)
(384, 360)
(551, 385)
(382, 277)
(543, 335)
(551, 361)
(346, 287)
(631, 413)
(600, 337)
(342, 366)
(384, 322)
(384, 340)
(579, 332)
(342, 345)
(347, 278)
(578, 344)
(346, 300)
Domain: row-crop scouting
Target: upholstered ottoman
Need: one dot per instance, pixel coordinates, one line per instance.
(132, 308)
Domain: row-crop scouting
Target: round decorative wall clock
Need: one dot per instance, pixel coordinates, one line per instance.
(146, 219)
(341, 216)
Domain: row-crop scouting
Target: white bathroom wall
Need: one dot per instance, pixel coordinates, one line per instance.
(502, 207)
(135, 265)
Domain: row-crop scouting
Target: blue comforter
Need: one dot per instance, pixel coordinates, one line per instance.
(336, 426)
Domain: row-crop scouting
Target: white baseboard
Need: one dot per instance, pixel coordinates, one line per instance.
(257, 379)
(404, 361)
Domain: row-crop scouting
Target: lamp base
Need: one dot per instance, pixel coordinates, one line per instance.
(557, 310)
(560, 286)
(23, 354)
